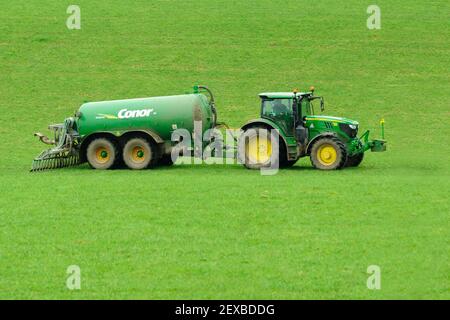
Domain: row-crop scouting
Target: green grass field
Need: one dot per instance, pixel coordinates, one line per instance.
(226, 232)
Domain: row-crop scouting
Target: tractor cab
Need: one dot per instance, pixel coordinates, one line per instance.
(288, 109)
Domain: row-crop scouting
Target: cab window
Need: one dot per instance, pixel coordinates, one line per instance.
(277, 107)
(280, 112)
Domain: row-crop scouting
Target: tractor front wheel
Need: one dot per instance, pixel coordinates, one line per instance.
(355, 160)
(138, 153)
(328, 154)
(101, 153)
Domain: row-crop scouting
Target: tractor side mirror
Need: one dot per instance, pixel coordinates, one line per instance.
(322, 104)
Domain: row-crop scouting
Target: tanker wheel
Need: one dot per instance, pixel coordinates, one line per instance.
(166, 160)
(258, 148)
(328, 154)
(101, 153)
(355, 160)
(138, 153)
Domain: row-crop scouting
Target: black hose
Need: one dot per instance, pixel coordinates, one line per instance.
(211, 103)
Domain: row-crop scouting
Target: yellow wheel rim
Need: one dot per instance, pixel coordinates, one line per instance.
(102, 155)
(327, 154)
(259, 149)
(138, 154)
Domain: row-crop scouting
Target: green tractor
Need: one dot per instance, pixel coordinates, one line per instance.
(140, 133)
(330, 142)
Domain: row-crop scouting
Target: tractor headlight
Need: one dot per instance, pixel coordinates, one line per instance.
(352, 126)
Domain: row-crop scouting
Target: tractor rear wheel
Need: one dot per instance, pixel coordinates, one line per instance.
(257, 149)
(138, 153)
(102, 153)
(355, 160)
(328, 153)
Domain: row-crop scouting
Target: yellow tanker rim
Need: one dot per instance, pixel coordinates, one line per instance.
(102, 154)
(138, 154)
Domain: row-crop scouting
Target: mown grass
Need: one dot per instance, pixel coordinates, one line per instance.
(224, 231)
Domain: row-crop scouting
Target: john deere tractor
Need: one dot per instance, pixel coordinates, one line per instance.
(330, 142)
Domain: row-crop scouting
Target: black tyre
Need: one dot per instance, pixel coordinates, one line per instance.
(102, 153)
(328, 153)
(165, 161)
(355, 160)
(288, 163)
(138, 153)
(284, 162)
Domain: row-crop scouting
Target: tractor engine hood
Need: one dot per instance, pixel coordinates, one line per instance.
(331, 119)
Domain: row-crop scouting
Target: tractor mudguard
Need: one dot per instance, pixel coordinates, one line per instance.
(272, 125)
(289, 142)
(262, 121)
(319, 136)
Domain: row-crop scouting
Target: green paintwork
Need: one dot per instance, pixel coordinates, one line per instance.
(318, 125)
(161, 115)
(313, 119)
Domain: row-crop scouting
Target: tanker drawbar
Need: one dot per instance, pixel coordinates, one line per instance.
(65, 150)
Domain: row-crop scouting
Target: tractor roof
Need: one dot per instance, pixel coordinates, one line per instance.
(282, 95)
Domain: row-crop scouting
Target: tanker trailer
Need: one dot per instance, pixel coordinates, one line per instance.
(136, 132)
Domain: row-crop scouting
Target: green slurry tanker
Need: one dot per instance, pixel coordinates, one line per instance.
(139, 133)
